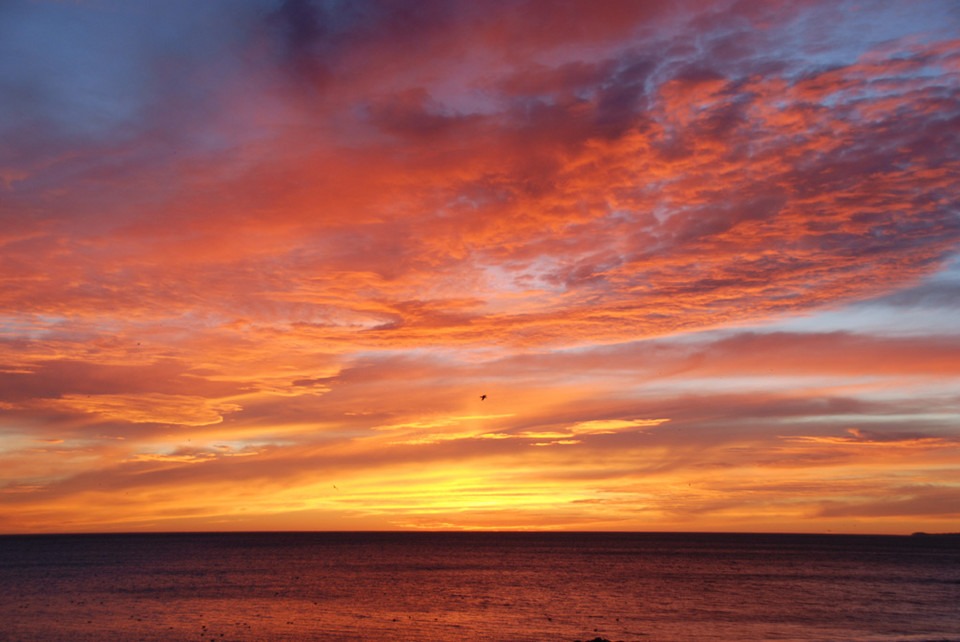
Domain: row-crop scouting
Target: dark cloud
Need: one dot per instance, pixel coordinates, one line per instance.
(54, 378)
(929, 501)
(413, 115)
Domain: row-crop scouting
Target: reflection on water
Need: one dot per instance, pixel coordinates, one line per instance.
(467, 586)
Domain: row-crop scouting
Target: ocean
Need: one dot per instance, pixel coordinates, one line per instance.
(479, 586)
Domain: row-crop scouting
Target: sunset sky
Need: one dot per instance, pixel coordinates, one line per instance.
(259, 260)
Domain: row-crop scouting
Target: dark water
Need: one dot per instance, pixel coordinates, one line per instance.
(490, 586)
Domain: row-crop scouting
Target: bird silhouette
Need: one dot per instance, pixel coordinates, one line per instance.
(482, 397)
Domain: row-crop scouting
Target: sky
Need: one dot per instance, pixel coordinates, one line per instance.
(260, 260)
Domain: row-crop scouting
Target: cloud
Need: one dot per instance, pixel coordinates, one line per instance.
(556, 188)
(942, 502)
(149, 408)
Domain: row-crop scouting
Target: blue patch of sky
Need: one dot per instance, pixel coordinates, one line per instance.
(918, 419)
(31, 326)
(823, 40)
(91, 69)
(923, 316)
(75, 66)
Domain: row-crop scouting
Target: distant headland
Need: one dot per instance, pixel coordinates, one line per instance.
(922, 534)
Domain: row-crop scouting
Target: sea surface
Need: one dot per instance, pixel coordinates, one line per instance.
(479, 586)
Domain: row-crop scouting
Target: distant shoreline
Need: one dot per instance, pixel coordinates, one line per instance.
(922, 534)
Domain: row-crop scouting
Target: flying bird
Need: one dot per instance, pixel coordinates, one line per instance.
(482, 397)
